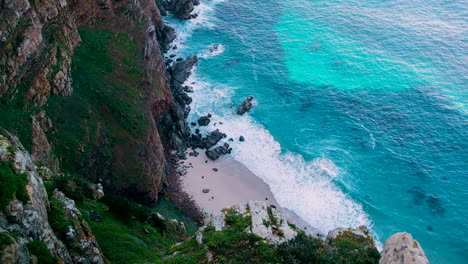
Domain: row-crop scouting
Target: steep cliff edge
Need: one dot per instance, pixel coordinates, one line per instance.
(81, 85)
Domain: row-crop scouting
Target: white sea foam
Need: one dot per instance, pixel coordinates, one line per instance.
(307, 188)
(212, 51)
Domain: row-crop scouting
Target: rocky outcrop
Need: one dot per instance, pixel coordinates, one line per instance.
(266, 221)
(401, 248)
(173, 124)
(204, 120)
(245, 106)
(180, 8)
(217, 152)
(30, 220)
(81, 243)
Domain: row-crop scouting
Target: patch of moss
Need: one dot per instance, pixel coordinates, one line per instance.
(41, 252)
(13, 184)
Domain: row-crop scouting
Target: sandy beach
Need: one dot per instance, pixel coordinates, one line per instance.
(219, 184)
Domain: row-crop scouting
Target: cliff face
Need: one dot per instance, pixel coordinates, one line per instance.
(27, 220)
(83, 85)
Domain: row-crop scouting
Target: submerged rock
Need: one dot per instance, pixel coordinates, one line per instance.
(245, 106)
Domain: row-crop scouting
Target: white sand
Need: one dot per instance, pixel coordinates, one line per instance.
(232, 184)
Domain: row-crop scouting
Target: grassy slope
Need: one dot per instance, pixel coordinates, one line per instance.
(106, 72)
(132, 242)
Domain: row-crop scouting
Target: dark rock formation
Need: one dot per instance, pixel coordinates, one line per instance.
(241, 139)
(245, 106)
(217, 152)
(175, 128)
(196, 141)
(179, 8)
(203, 121)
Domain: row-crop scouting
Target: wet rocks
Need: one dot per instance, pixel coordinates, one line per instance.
(196, 141)
(213, 138)
(181, 70)
(245, 106)
(182, 8)
(204, 120)
(217, 152)
(241, 139)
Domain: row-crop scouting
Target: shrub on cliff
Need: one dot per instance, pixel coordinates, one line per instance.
(57, 217)
(345, 248)
(74, 187)
(41, 252)
(13, 184)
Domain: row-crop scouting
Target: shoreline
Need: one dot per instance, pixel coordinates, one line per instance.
(213, 185)
(217, 184)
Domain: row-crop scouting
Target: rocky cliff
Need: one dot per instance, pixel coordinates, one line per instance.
(83, 84)
(26, 218)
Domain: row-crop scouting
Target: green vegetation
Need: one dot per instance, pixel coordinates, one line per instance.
(15, 117)
(170, 211)
(57, 218)
(233, 245)
(42, 253)
(13, 184)
(345, 248)
(128, 241)
(5, 240)
(73, 186)
(107, 73)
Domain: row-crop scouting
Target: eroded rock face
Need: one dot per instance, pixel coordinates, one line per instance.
(30, 221)
(401, 248)
(81, 242)
(38, 39)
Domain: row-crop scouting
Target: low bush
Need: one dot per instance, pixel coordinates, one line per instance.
(57, 218)
(74, 187)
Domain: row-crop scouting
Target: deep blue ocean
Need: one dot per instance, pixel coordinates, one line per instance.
(360, 113)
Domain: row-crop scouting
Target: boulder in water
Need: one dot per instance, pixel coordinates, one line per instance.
(245, 106)
(203, 121)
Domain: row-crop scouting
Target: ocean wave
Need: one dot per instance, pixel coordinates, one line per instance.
(307, 188)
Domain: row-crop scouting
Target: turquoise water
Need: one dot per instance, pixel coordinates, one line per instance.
(361, 109)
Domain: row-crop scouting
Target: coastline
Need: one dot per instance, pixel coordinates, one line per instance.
(222, 183)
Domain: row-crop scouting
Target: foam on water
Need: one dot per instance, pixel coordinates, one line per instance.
(307, 188)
